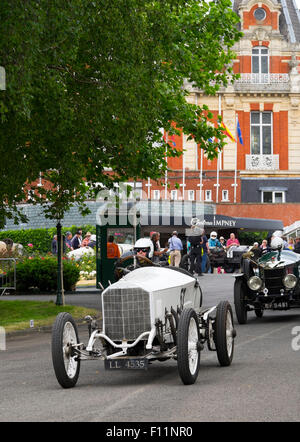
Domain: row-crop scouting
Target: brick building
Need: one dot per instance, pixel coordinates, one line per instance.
(261, 177)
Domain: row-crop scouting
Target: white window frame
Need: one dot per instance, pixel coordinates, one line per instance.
(156, 194)
(174, 194)
(191, 195)
(273, 196)
(208, 195)
(260, 55)
(225, 199)
(261, 125)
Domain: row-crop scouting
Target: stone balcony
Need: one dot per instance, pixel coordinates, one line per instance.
(262, 162)
(262, 83)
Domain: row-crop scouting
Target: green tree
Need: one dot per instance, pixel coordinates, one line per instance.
(90, 84)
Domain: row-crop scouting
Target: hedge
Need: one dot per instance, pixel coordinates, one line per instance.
(41, 274)
(40, 238)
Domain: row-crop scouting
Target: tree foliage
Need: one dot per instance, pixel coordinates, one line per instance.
(90, 85)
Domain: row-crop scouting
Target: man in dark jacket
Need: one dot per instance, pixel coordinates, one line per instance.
(76, 241)
(196, 242)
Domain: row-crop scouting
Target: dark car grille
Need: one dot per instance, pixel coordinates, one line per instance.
(126, 313)
(273, 280)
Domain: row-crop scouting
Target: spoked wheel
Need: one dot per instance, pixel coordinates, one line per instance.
(65, 363)
(188, 346)
(239, 301)
(224, 333)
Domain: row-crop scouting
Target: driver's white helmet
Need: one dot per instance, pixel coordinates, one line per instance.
(277, 243)
(145, 244)
(213, 235)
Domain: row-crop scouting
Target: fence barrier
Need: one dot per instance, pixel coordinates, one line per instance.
(7, 275)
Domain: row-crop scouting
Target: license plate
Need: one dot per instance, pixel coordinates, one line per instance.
(126, 364)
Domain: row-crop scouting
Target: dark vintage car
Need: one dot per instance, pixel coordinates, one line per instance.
(270, 281)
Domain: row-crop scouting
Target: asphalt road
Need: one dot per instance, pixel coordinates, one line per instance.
(262, 384)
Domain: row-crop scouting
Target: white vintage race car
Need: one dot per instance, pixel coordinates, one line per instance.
(152, 313)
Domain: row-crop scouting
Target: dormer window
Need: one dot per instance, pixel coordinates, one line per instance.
(260, 14)
(260, 60)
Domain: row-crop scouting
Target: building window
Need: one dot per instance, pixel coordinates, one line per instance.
(225, 195)
(272, 197)
(260, 14)
(173, 194)
(260, 60)
(208, 195)
(261, 133)
(191, 195)
(156, 194)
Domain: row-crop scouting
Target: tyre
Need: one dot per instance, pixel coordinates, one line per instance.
(224, 333)
(240, 291)
(185, 262)
(64, 335)
(207, 264)
(188, 346)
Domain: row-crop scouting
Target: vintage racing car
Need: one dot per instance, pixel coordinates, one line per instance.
(270, 281)
(152, 313)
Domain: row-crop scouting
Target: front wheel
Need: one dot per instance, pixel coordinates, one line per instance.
(224, 333)
(239, 301)
(65, 363)
(188, 346)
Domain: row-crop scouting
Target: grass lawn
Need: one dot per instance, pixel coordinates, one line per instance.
(16, 315)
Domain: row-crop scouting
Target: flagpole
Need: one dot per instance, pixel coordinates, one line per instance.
(218, 159)
(166, 172)
(183, 170)
(235, 170)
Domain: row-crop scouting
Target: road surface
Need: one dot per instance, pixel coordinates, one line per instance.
(262, 384)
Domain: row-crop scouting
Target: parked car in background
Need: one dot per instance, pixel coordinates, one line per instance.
(267, 282)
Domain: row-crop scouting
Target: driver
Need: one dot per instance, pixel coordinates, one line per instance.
(144, 247)
(213, 241)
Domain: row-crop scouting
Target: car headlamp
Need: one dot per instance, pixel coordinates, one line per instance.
(255, 283)
(289, 281)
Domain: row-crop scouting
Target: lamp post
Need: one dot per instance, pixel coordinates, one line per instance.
(59, 297)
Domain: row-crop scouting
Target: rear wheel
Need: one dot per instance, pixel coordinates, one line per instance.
(65, 363)
(224, 333)
(188, 346)
(239, 300)
(185, 262)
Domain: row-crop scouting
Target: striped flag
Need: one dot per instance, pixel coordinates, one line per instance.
(227, 132)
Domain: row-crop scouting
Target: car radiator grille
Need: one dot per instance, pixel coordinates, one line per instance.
(126, 313)
(273, 280)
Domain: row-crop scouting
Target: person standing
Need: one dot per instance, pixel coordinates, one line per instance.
(157, 253)
(54, 245)
(205, 251)
(86, 240)
(113, 250)
(196, 251)
(68, 241)
(175, 247)
(76, 241)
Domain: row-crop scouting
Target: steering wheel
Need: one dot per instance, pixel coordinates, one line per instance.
(120, 271)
